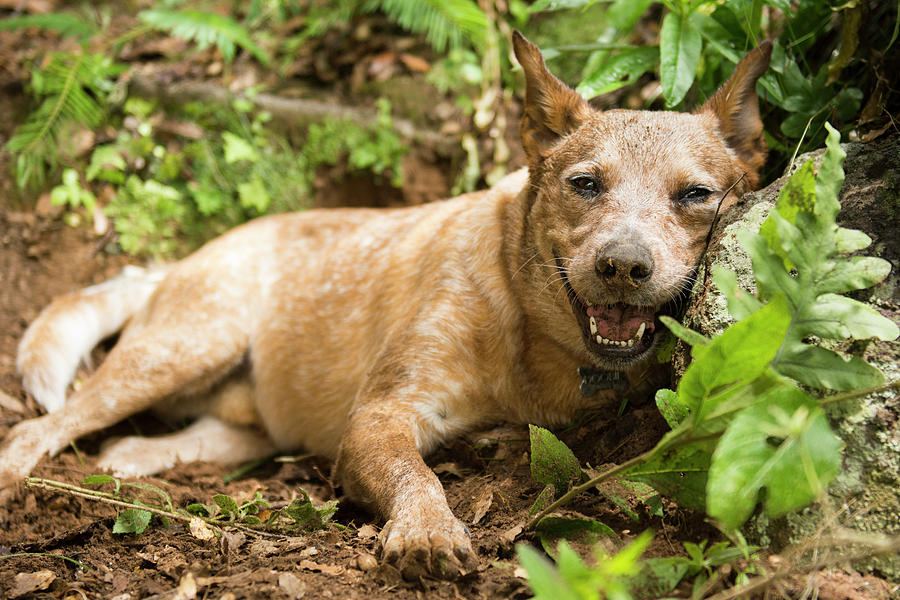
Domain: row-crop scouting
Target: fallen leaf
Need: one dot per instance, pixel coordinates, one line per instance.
(449, 468)
(232, 540)
(25, 583)
(509, 536)
(415, 63)
(187, 588)
(327, 569)
(482, 505)
(264, 548)
(200, 530)
(291, 585)
(366, 531)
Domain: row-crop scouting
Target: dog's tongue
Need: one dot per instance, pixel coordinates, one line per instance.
(621, 321)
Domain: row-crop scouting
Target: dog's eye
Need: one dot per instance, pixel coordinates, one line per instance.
(585, 185)
(694, 194)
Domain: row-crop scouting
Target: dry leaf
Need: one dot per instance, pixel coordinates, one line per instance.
(25, 583)
(232, 540)
(482, 505)
(327, 569)
(291, 585)
(448, 467)
(200, 530)
(509, 536)
(415, 63)
(366, 531)
(187, 588)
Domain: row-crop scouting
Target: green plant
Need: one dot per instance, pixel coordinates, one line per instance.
(205, 28)
(572, 579)
(72, 90)
(71, 194)
(444, 23)
(376, 148)
(701, 40)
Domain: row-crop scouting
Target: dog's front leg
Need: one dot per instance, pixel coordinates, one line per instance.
(380, 463)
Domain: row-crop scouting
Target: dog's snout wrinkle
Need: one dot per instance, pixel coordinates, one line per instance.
(624, 263)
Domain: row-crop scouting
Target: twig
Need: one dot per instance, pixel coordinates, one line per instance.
(878, 545)
(74, 490)
(293, 110)
(107, 498)
(859, 393)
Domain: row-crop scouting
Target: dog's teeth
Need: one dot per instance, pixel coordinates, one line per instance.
(640, 331)
(630, 343)
(593, 326)
(601, 340)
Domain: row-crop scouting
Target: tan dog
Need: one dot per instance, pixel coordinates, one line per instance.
(371, 336)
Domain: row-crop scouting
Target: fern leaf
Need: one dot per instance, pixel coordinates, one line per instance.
(444, 22)
(205, 29)
(66, 24)
(71, 89)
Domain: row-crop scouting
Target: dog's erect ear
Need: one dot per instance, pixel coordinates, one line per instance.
(552, 109)
(736, 106)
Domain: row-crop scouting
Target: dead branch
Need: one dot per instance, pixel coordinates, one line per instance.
(290, 110)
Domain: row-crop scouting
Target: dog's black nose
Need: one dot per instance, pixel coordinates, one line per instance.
(624, 263)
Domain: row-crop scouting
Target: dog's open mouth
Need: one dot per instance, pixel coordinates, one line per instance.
(619, 332)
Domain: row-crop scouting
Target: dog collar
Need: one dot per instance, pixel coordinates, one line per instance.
(593, 380)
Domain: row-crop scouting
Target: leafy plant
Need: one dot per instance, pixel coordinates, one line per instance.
(701, 40)
(72, 91)
(444, 22)
(66, 24)
(206, 29)
(572, 579)
(71, 194)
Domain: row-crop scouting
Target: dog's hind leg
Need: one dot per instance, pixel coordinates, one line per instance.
(168, 353)
(207, 439)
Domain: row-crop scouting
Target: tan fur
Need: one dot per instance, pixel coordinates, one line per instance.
(371, 336)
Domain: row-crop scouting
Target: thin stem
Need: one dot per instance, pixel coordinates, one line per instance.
(876, 548)
(665, 444)
(49, 484)
(859, 393)
(51, 555)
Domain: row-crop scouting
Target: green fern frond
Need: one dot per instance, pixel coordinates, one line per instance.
(71, 89)
(444, 22)
(65, 24)
(205, 29)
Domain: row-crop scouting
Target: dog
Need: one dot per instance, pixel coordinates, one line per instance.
(373, 335)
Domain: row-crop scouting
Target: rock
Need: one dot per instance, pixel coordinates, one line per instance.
(865, 493)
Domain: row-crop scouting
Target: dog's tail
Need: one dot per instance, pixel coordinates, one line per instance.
(66, 331)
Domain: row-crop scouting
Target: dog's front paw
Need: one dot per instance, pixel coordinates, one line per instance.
(20, 452)
(427, 544)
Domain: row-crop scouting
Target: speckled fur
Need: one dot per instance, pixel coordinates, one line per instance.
(371, 336)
